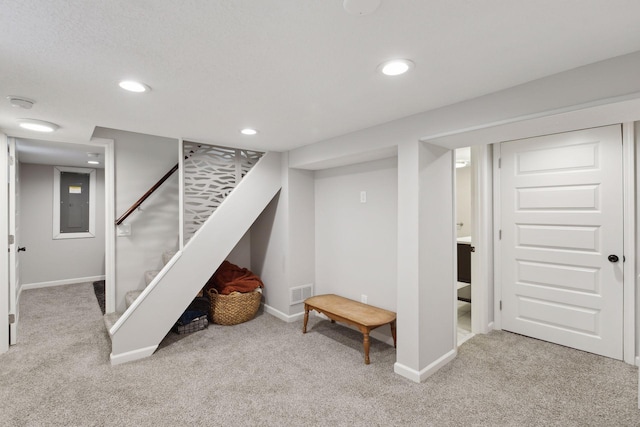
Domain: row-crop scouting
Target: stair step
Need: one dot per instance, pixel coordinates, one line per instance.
(166, 256)
(110, 319)
(131, 296)
(150, 275)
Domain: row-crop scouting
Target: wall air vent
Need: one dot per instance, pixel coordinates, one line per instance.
(298, 294)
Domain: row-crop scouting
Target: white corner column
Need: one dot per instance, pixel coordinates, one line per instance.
(426, 333)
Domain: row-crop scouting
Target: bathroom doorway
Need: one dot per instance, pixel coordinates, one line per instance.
(463, 240)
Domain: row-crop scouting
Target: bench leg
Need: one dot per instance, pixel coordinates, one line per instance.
(393, 332)
(366, 347)
(306, 319)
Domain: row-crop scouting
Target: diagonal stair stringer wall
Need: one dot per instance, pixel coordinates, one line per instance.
(141, 328)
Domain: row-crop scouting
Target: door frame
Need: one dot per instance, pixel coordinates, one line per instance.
(4, 237)
(482, 239)
(109, 224)
(629, 215)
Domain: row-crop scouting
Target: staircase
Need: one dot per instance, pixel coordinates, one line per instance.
(110, 319)
(151, 313)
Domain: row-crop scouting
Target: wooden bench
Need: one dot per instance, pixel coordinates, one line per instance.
(364, 317)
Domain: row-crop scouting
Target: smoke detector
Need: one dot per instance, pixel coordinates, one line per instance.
(361, 7)
(20, 102)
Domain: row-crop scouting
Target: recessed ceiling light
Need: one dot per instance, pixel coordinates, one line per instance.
(133, 86)
(396, 67)
(20, 102)
(93, 162)
(248, 131)
(37, 125)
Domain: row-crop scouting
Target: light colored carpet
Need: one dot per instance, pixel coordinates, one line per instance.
(266, 372)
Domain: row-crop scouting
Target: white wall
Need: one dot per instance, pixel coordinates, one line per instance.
(283, 242)
(140, 161)
(463, 200)
(268, 252)
(356, 243)
(241, 254)
(46, 259)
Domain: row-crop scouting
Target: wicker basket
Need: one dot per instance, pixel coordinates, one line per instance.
(234, 308)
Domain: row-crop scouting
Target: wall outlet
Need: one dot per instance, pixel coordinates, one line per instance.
(363, 298)
(363, 197)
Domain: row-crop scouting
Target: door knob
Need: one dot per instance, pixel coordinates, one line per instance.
(613, 258)
(22, 249)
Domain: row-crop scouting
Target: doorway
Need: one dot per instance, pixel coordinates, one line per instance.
(45, 261)
(464, 213)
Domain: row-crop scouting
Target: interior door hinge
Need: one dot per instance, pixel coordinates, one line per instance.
(12, 239)
(12, 319)
(499, 162)
(500, 304)
(499, 234)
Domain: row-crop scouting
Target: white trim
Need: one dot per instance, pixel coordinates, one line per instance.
(4, 237)
(481, 227)
(109, 223)
(132, 355)
(637, 361)
(14, 270)
(629, 237)
(56, 203)
(425, 373)
(289, 318)
(180, 194)
(497, 267)
(62, 282)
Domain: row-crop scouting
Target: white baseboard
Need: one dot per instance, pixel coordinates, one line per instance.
(60, 282)
(423, 374)
(637, 360)
(130, 356)
(289, 318)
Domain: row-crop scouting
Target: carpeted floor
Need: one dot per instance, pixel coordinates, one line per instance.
(98, 290)
(266, 372)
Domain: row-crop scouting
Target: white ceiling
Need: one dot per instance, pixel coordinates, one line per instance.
(300, 71)
(59, 153)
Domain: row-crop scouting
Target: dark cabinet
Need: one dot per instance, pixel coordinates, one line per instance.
(464, 271)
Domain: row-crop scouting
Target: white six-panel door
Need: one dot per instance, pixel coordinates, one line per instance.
(561, 225)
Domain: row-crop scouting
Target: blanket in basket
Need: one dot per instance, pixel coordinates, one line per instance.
(231, 278)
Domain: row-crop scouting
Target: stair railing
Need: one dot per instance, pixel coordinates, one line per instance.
(146, 195)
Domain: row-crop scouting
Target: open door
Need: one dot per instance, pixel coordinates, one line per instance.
(14, 247)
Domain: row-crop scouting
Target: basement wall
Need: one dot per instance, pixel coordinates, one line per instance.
(356, 241)
(47, 260)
